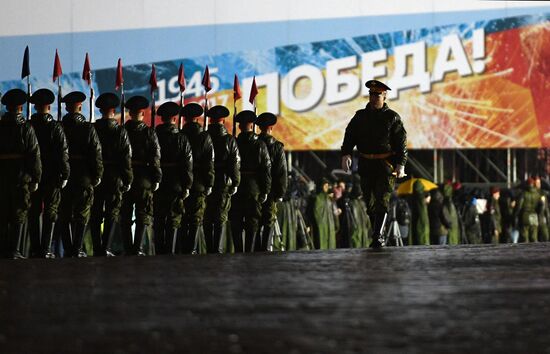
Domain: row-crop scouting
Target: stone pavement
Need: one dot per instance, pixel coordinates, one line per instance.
(409, 300)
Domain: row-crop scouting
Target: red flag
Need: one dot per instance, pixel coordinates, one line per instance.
(181, 78)
(206, 80)
(119, 79)
(57, 67)
(236, 89)
(253, 91)
(153, 79)
(87, 71)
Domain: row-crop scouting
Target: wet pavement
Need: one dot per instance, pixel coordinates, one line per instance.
(415, 300)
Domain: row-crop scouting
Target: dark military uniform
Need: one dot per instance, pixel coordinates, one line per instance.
(147, 172)
(86, 164)
(228, 178)
(279, 180)
(246, 205)
(20, 168)
(55, 169)
(177, 178)
(203, 180)
(117, 177)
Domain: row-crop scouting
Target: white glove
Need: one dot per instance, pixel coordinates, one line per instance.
(263, 198)
(33, 187)
(63, 183)
(400, 171)
(279, 200)
(126, 188)
(97, 182)
(209, 191)
(346, 163)
(233, 190)
(185, 194)
(156, 186)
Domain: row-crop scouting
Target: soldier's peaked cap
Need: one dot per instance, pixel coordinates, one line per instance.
(192, 110)
(218, 112)
(136, 103)
(168, 109)
(42, 97)
(74, 97)
(377, 84)
(246, 117)
(107, 100)
(14, 97)
(266, 119)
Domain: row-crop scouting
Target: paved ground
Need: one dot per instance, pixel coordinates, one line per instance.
(422, 299)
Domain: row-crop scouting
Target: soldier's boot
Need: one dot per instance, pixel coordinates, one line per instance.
(265, 238)
(171, 235)
(219, 237)
(249, 236)
(193, 234)
(78, 234)
(47, 239)
(209, 237)
(378, 240)
(67, 238)
(126, 232)
(139, 239)
(18, 230)
(34, 234)
(95, 230)
(237, 235)
(109, 229)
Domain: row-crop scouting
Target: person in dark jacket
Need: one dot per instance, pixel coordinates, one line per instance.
(20, 167)
(55, 174)
(193, 240)
(147, 176)
(472, 223)
(86, 161)
(439, 221)
(228, 178)
(493, 217)
(246, 205)
(279, 182)
(177, 178)
(117, 177)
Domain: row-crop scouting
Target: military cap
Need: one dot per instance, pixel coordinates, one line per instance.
(14, 97)
(42, 97)
(245, 116)
(266, 119)
(218, 112)
(74, 97)
(192, 110)
(136, 103)
(107, 100)
(168, 109)
(377, 84)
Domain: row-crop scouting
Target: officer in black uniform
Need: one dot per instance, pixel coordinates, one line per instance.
(177, 178)
(20, 168)
(117, 177)
(55, 173)
(381, 139)
(228, 178)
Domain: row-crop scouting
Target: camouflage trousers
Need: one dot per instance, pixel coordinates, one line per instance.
(45, 201)
(168, 209)
(107, 201)
(76, 203)
(245, 214)
(377, 183)
(142, 199)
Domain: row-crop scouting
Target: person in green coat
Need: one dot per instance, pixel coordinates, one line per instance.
(321, 215)
(543, 212)
(526, 210)
(449, 209)
(361, 233)
(420, 231)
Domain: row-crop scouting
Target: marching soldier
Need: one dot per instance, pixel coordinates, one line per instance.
(117, 177)
(228, 177)
(203, 179)
(147, 176)
(255, 186)
(177, 178)
(279, 181)
(55, 173)
(86, 163)
(21, 168)
(381, 139)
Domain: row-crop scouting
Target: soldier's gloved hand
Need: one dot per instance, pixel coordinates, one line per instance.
(263, 198)
(346, 163)
(232, 190)
(209, 191)
(97, 182)
(280, 199)
(63, 184)
(185, 194)
(156, 186)
(33, 187)
(126, 188)
(400, 171)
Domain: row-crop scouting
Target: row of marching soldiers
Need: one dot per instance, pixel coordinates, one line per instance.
(63, 178)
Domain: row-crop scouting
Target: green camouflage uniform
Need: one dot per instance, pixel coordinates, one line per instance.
(528, 217)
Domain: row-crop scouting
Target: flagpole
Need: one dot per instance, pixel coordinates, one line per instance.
(29, 93)
(205, 128)
(59, 96)
(254, 124)
(153, 109)
(181, 110)
(91, 99)
(234, 115)
(122, 113)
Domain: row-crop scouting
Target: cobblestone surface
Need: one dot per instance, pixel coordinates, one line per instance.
(415, 300)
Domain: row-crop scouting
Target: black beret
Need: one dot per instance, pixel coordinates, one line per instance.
(192, 110)
(107, 100)
(266, 119)
(74, 97)
(168, 109)
(14, 97)
(42, 97)
(218, 112)
(136, 103)
(245, 117)
(377, 84)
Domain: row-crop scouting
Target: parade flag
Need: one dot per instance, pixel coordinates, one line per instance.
(57, 71)
(153, 79)
(26, 70)
(181, 78)
(236, 89)
(87, 71)
(253, 91)
(119, 80)
(206, 80)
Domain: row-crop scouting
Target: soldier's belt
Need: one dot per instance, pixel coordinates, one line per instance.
(11, 156)
(376, 156)
(140, 163)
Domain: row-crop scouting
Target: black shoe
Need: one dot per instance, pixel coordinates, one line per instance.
(378, 243)
(47, 238)
(78, 234)
(109, 254)
(49, 255)
(139, 239)
(82, 254)
(17, 240)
